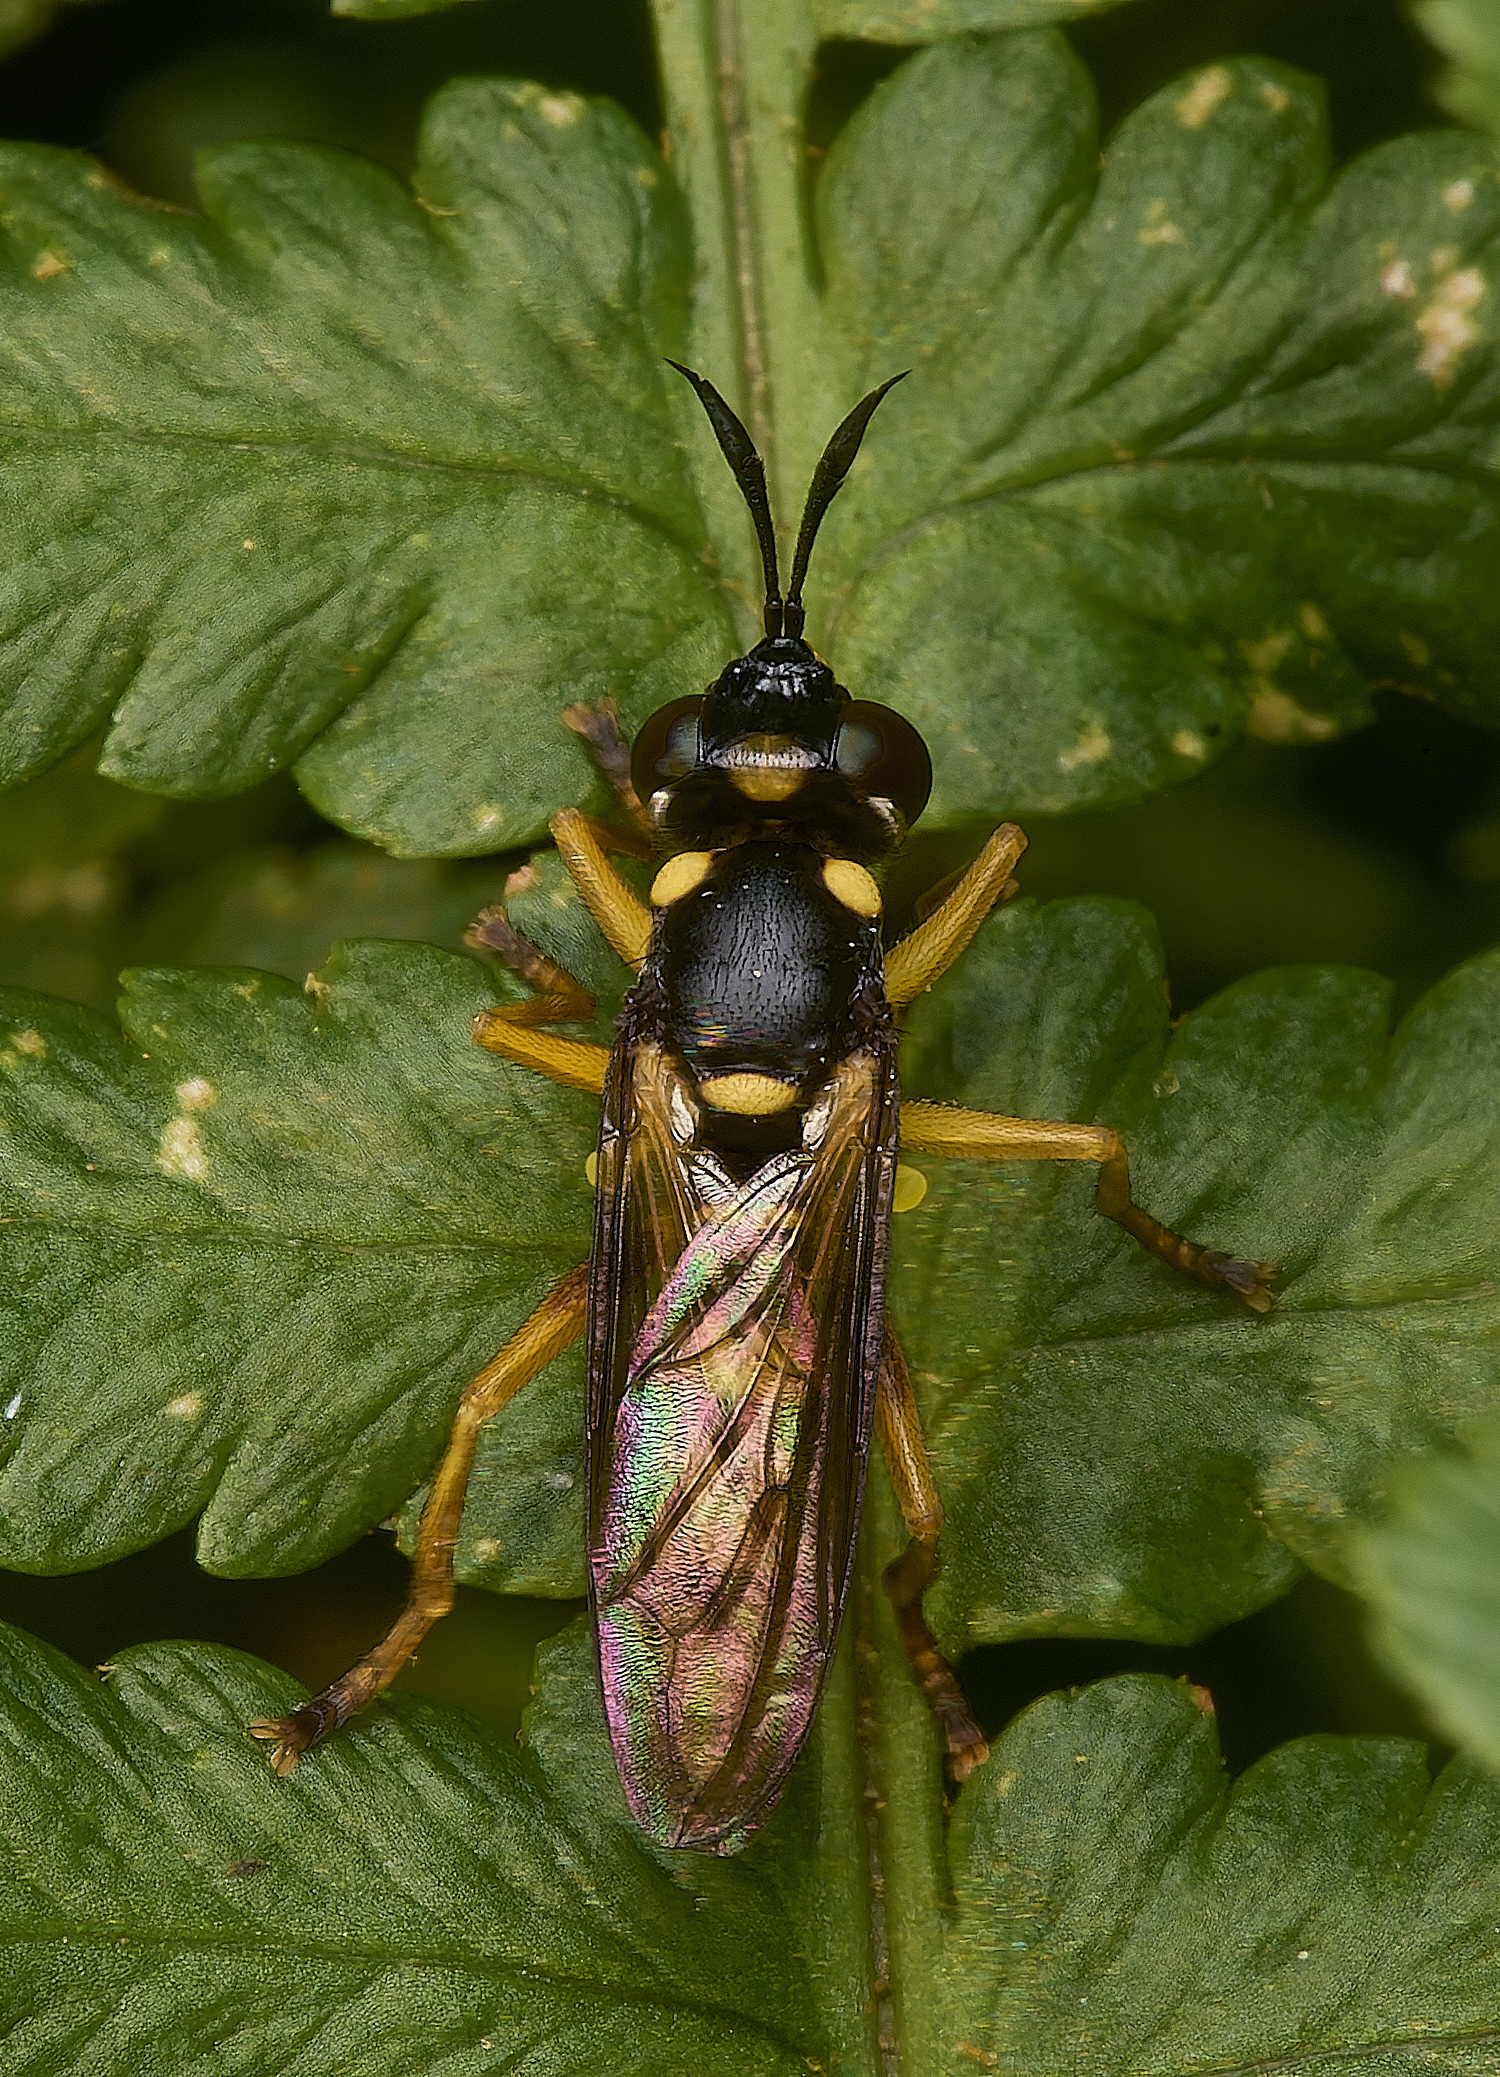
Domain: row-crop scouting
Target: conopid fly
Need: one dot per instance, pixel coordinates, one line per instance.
(739, 1356)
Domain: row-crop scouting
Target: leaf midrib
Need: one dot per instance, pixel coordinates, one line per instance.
(252, 1236)
(109, 1935)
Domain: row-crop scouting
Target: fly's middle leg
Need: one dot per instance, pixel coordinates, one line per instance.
(899, 1428)
(556, 1323)
(936, 1128)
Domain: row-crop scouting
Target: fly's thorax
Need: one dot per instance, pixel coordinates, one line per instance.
(766, 954)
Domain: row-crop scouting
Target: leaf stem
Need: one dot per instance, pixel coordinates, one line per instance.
(905, 1772)
(734, 83)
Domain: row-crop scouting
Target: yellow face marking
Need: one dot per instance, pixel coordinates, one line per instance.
(679, 876)
(851, 884)
(766, 782)
(748, 1096)
(911, 1188)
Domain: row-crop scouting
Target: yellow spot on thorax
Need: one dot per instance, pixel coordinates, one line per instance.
(679, 876)
(851, 885)
(911, 1188)
(748, 1096)
(1204, 96)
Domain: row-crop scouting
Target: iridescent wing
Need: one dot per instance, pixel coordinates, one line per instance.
(734, 1351)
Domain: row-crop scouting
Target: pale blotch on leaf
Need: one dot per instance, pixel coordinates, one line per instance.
(1269, 651)
(1092, 746)
(1458, 195)
(1415, 647)
(1158, 228)
(29, 1042)
(187, 1408)
(196, 1094)
(1395, 279)
(1276, 98)
(1205, 94)
(48, 265)
(1275, 717)
(1314, 626)
(180, 1151)
(1445, 325)
(560, 110)
(1188, 743)
(488, 818)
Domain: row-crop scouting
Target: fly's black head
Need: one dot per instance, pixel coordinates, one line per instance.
(775, 738)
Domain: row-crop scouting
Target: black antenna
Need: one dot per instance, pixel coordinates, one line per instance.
(750, 474)
(828, 480)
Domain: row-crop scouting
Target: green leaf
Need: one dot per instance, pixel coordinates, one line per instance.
(331, 446)
(376, 484)
(1117, 1454)
(282, 911)
(1120, 1908)
(1468, 33)
(388, 10)
(1153, 407)
(255, 1248)
(924, 21)
(1432, 1571)
(428, 1900)
(421, 1898)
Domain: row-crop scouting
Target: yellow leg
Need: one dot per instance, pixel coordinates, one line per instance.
(932, 947)
(616, 908)
(573, 1062)
(906, 1580)
(559, 998)
(556, 1323)
(934, 1128)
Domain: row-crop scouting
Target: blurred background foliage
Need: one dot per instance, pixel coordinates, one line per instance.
(1379, 850)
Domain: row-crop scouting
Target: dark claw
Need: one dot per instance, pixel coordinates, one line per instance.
(1251, 1279)
(290, 1736)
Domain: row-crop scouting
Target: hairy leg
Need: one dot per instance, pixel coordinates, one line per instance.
(556, 1322)
(906, 1580)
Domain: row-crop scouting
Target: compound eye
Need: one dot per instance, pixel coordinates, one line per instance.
(881, 753)
(667, 747)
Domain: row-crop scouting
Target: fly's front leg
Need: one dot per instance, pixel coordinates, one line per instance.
(899, 1428)
(553, 1327)
(934, 1128)
(927, 952)
(599, 726)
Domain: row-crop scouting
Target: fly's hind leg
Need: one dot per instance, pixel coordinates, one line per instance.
(906, 1580)
(556, 1323)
